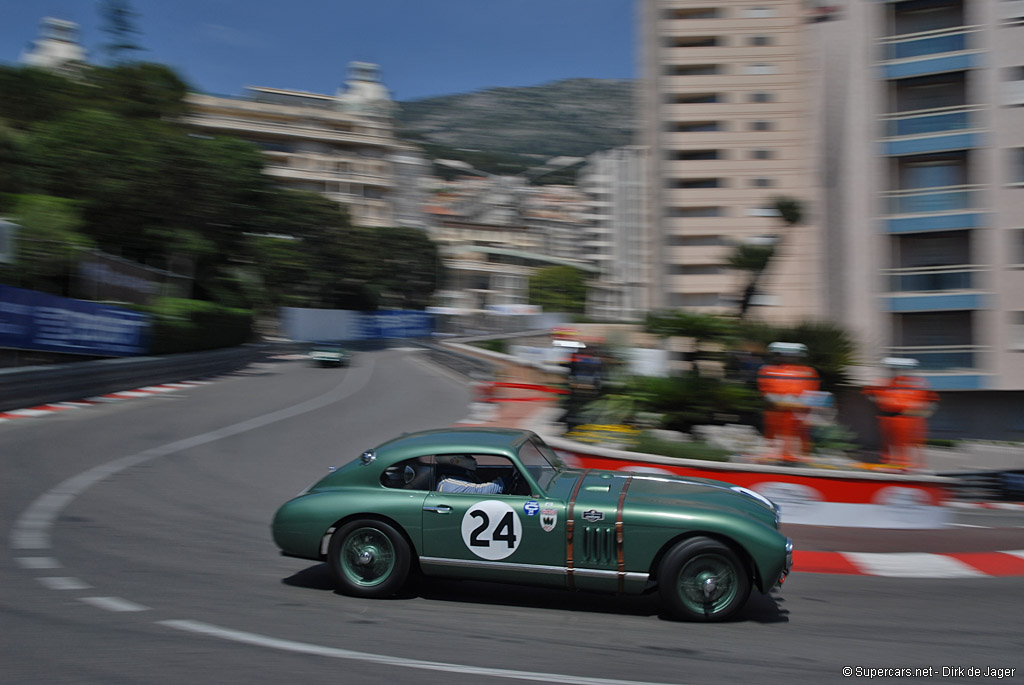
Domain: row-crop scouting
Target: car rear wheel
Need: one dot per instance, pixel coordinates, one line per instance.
(702, 579)
(369, 558)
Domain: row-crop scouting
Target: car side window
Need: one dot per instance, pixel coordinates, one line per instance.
(411, 474)
(483, 474)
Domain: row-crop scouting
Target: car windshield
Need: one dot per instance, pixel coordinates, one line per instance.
(541, 461)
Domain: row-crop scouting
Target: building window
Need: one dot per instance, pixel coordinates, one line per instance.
(1017, 247)
(694, 300)
(1017, 330)
(762, 97)
(697, 240)
(695, 212)
(1017, 166)
(762, 182)
(694, 69)
(691, 155)
(694, 13)
(762, 154)
(761, 68)
(695, 126)
(694, 42)
(694, 98)
(761, 126)
(695, 270)
(688, 183)
(759, 40)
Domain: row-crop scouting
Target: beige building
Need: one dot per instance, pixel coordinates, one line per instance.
(724, 112)
(341, 146)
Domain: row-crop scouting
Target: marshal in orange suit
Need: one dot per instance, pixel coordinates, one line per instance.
(904, 403)
(783, 385)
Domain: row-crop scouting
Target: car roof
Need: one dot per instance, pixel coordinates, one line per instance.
(454, 440)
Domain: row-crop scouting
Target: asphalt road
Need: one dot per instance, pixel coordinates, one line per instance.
(138, 551)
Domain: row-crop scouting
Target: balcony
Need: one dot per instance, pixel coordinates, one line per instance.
(925, 44)
(934, 278)
(929, 52)
(931, 121)
(936, 302)
(932, 200)
(946, 358)
(933, 209)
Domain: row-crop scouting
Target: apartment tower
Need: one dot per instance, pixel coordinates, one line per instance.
(724, 112)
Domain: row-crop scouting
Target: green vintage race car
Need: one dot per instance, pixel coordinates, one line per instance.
(498, 504)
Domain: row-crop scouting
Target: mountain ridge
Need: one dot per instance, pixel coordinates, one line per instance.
(573, 117)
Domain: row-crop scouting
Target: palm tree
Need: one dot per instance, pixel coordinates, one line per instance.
(754, 258)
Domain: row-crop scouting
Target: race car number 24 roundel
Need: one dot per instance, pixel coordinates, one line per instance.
(491, 529)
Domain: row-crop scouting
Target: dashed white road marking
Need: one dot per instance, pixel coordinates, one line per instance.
(37, 563)
(64, 583)
(912, 565)
(113, 604)
(336, 653)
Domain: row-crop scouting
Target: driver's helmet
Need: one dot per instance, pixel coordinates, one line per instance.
(460, 466)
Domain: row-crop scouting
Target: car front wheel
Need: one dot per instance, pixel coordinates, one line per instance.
(368, 558)
(702, 579)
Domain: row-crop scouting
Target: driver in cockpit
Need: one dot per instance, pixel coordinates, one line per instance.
(457, 473)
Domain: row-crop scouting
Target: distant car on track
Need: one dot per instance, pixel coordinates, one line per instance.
(329, 354)
(498, 504)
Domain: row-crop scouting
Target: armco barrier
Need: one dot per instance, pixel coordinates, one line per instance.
(35, 385)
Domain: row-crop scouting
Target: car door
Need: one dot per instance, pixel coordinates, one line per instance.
(494, 536)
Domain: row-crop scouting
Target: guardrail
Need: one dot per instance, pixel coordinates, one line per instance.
(35, 385)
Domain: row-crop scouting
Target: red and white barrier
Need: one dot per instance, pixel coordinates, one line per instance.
(811, 496)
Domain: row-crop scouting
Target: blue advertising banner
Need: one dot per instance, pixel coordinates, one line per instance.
(31, 320)
(396, 324)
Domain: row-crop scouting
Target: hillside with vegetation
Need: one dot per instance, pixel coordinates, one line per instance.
(504, 130)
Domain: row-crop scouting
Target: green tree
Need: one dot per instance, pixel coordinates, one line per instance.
(119, 25)
(29, 95)
(49, 243)
(754, 259)
(406, 267)
(831, 350)
(559, 289)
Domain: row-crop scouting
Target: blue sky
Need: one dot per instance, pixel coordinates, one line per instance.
(424, 47)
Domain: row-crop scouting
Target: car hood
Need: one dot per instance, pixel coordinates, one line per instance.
(601, 490)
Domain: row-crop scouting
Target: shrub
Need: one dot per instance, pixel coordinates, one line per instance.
(181, 325)
(649, 444)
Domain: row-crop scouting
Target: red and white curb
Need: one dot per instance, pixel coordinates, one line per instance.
(1002, 506)
(912, 564)
(55, 407)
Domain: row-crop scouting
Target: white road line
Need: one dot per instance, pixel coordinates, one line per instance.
(37, 562)
(336, 653)
(113, 604)
(64, 583)
(130, 393)
(912, 565)
(1016, 553)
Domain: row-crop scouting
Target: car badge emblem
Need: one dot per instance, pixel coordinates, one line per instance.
(531, 507)
(593, 515)
(548, 519)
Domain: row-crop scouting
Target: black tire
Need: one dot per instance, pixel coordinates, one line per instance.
(701, 579)
(369, 558)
